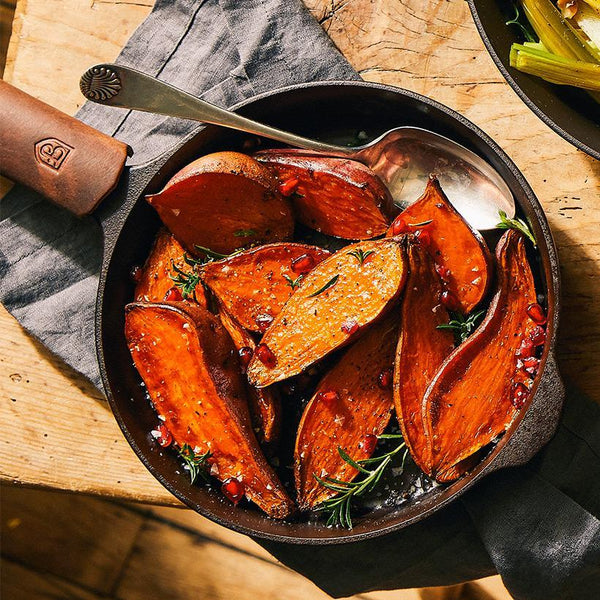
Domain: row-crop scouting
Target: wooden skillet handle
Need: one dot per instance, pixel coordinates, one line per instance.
(68, 162)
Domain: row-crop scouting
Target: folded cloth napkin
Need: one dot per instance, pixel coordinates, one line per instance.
(536, 525)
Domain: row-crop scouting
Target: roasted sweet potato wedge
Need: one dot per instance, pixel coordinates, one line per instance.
(253, 285)
(340, 296)
(421, 350)
(265, 404)
(155, 277)
(460, 253)
(192, 374)
(224, 201)
(480, 387)
(335, 196)
(350, 409)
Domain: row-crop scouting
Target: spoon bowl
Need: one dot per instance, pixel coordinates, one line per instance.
(404, 157)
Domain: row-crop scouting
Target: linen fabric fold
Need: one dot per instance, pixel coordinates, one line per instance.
(536, 525)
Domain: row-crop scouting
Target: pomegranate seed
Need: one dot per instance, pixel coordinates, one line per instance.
(162, 435)
(303, 264)
(527, 349)
(350, 326)
(245, 355)
(135, 274)
(288, 187)
(328, 396)
(530, 365)
(385, 379)
(536, 314)
(263, 321)
(265, 355)
(443, 272)
(449, 300)
(369, 443)
(538, 336)
(173, 295)
(519, 394)
(399, 226)
(423, 238)
(233, 489)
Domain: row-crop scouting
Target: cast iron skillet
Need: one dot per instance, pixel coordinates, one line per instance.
(567, 110)
(330, 111)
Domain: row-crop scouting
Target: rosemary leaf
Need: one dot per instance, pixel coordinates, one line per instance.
(244, 233)
(185, 281)
(361, 255)
(329, 284)
(518, 224)
(196, 463)
(294, 283)
(462, 326)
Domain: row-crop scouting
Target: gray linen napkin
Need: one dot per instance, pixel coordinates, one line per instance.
(537, 525)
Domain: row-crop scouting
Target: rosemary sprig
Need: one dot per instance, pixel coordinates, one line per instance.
(339, 507)
(294, 283)
(244, 233)
(211, 254)
(516, 20)
(518, 224)
(462, 326)
(195, 463)
(185, 281)
(329, 284)
(421, 224)
(361, 255)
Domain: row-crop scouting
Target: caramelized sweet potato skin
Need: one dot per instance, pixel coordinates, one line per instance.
(362, 408)
(336, 196)
(265, 404)
(421, 349)
(253, 283)
(337, 298)
(224, 201)
(155, 277)
(453, 244)
(469, 402)
(192, 374)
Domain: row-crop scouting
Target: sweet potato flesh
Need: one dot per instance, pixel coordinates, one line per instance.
(265, 404)
(192, 375)
(337, 298)
(335, 196)
(155, 276)
(256, 283)
(421, 349)
(360, 408)
(468, 404)
(224, 201)
(455, 247)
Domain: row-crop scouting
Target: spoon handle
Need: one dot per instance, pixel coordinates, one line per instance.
(115, 85)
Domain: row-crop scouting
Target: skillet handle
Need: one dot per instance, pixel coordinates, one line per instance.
(68, 162)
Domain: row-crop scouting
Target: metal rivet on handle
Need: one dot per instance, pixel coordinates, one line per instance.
(100, 83)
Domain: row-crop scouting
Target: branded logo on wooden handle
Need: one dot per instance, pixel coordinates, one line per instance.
(52, 152)
(100, 83)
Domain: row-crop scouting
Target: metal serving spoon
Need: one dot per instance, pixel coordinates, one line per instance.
(403, 157)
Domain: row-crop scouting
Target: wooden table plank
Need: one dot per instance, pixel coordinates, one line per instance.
(432, 48)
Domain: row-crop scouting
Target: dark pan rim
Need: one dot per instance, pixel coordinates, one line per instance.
(518, 90)
(487, 464)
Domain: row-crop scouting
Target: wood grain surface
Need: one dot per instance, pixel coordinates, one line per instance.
(58, 432)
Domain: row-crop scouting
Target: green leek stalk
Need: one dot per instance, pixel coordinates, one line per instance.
(555, 69)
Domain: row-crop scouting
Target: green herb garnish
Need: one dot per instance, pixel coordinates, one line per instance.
(294, 283)
(339, 507)
(329, 284)
(185, 281)
(195, 463)
(524, 28)
(244, 233)
(361, 255)
(518, 224)
(462, 326)
(422, 224)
